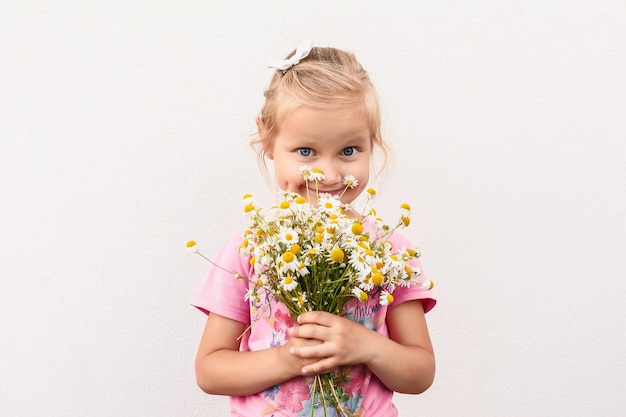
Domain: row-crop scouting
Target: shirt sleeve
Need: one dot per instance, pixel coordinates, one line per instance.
(221, 292)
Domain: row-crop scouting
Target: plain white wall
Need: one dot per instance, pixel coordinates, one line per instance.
(124, 133)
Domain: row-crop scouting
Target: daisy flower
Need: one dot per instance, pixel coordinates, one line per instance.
(284, 208)
(302, 269)
(317, 175)
(328, 203)
(289, 283)
(428, 284)
(350, 181)
(386, 298)
(305, 171)
(288, 236)
(289, 261)
(360, 294)
(301, 299)
(191, 247)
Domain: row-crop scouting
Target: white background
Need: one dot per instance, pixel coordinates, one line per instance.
(124, 131)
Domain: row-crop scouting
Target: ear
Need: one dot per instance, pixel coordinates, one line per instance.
(269, 152)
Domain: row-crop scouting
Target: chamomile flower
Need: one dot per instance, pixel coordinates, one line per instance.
(284, 208)
(357, 227)
(360, 294)
(329, 204)
(316, 175)
(301, 299)
(312, 252)
(350, 181)
(302, 269)
(251, 295)
(386, 298)
(245, 247)
(191, 247)
(357, 260)
(394, 262)
(288, 236)
(299, 205)
(428, 284)
(289, 262)
(305, 171)
(405, 210)
(247, 199)
(289, 283)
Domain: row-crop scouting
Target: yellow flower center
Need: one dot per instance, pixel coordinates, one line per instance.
(300, 200)
(357, 228)
(295, 249)
(288, 280)
(247, 196)
(191, 244)
(363, 296)
(405, 206)
(377, 278)
(406, 221)
(285, 205)
(389, 298)
(288, 256)
(336, 255)
(248, 208)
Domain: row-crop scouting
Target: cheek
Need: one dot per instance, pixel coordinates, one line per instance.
(286, 177)
(363, 174)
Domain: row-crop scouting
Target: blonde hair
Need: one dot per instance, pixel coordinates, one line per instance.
(328, 78)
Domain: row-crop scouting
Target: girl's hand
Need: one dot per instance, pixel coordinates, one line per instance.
(404, 362)
(332, 341)
(295, 343)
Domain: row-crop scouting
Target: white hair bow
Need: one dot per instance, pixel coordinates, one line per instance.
(302, 51)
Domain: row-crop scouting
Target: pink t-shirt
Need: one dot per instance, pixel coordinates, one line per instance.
(223, 294)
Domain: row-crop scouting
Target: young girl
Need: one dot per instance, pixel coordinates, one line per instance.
(320, 110)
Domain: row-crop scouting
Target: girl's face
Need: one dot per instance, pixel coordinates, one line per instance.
(334, 141)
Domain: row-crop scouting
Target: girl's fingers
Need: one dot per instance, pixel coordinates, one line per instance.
(317, 317)
(309, 331)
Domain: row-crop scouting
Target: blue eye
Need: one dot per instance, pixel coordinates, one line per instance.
(305, 151)
(349, 151)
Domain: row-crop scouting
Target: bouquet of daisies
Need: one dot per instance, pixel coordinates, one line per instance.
(320, 257)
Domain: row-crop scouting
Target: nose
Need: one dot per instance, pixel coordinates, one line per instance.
(332, 172)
